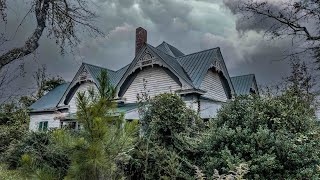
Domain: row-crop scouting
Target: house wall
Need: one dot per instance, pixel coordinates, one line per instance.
(35, 119)
(318, 114)
(83, 87)
(209, 109)
(213, 85)
(157, 81)
(192, 101)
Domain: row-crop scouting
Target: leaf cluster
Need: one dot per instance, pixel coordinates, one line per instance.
(276, 136)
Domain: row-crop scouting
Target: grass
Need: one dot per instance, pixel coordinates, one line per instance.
(9, 174)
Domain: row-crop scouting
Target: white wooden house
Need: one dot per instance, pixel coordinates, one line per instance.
(201, 79)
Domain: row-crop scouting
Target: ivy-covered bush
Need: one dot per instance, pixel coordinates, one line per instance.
(276, 136)
(168, 145)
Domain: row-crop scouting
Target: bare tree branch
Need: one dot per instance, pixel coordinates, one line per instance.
(298, 20)
(61, 19)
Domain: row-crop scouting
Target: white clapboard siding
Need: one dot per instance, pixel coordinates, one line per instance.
(35, 119)
(157, 82)
(83, 87)
(213, 85)
(209, 109)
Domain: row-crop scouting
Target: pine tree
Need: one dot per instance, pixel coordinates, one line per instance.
(104, 137)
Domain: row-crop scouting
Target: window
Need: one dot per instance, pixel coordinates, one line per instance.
(43, 126)
(71, 125)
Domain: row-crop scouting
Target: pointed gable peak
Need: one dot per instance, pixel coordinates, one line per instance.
(169, 49)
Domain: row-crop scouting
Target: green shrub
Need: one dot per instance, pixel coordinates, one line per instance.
(168, 145)
(276, 136)
(43, 150)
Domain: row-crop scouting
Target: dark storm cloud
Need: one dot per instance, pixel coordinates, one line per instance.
(247, 21)
(190, 25)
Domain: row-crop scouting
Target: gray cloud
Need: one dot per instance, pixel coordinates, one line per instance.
(190, 25)
(248, 21)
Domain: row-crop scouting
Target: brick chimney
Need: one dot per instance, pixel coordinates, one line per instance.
(141, 38)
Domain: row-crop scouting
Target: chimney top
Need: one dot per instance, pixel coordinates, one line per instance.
(141, 38)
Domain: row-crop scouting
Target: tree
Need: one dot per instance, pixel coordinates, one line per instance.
(103, 138)
(275, 135)
(298, 20)
(168, 147)
(6, 78)
(13, 124)
(40, 155)
(90, 153)
(45, 82)
(59, 17)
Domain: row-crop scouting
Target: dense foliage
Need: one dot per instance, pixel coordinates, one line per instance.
(254, 137)
(39, 155)
(166, 149)
(13, 125)
(276, 136)
(103, 136)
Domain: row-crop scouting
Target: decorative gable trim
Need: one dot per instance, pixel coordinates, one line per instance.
(148, 57)
(82, 75)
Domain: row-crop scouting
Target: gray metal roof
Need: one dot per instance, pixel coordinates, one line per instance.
(197, 64)
(173, 63)
(114, 76)
(191, 68)
(242, 84)
(169, 49)
(50, 100)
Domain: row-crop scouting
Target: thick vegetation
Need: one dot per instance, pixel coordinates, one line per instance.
(254, 137)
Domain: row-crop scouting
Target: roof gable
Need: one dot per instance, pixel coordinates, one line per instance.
(50, 100)
(165, 59)
(242, 84)
(173, 63)
(197, 65)
(114, 76)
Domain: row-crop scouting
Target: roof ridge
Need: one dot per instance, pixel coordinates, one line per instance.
(123, 67)
(166, 47)
(243, 75)
(171, 46)
(98, 66)
(197, 52)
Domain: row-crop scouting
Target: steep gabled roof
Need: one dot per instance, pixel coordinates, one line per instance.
(49, 101)
(242, 84)
(191, 68)
(169, 49)
(114, 76)
(173, 63)
(197, 64)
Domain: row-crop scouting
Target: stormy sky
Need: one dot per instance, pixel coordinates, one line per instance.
(189, 25)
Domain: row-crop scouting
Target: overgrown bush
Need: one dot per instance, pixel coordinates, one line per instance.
(276, 136)
(41, 154)
(168, 145)
(13, 125)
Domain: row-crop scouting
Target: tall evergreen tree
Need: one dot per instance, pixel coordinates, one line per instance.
(104, 136)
